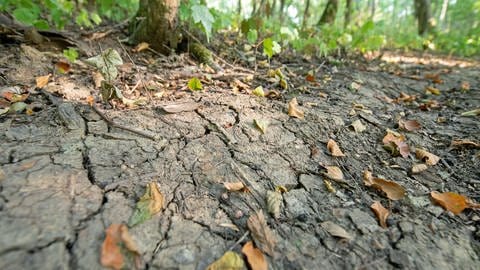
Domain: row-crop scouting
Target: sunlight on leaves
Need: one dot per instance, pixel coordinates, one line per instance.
(149, 204)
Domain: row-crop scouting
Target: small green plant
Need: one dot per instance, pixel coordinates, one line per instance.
(71, 54)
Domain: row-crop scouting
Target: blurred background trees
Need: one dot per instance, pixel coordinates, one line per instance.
(317, 27)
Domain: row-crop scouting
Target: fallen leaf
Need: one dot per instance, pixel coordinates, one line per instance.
(90, 100)
(310, 76)
(381, 213)
(141, 47)
(261, 125)
(281, 189)
(429, 104)
(261, 233)
(258, 91)
(358, 126)
(418, 168)
(464, 143)
(451, 201)
(465, 86)
(323, 95)
(119, 251)
(97, 79)
(42, 80)
(329, 186)
(229, 261)
(334, 173)
(405, 98)
(195, 84)
(18, 107)
(181, 107)
(149, 204)
(435, 77)
(63, 67)
(272, 94)
(409, 125)
(429, 158)
(4, 110)
(393, 190)
(274, 201)
(334, 149)
(395, 143)
(471, 113)
(432, 90)
(283, 84)
(14, 97)
(293, 110)
(234, 186)
(255, 257)
(335, 230)
(230, 226)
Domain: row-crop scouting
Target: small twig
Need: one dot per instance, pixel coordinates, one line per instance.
(239, 241)
(115, 125)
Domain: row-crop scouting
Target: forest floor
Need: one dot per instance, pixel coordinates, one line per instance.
(69, 170)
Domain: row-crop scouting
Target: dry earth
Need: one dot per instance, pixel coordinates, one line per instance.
(66, 175)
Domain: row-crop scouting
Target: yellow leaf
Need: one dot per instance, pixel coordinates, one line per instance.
(432, 90)
(141, 46)
(261, 125)
(149, 204)
(255, 257)
(229, 261)
(274, 201)
(293, 110)
(258, 91)
(42, 80)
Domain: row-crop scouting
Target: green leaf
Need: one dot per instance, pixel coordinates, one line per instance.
(95, 18)
(18, 107)
(82, 18)
(106, 63)
(202, 15)
(252, 36)
(41, 25)
(149, 204)
(195, 84)
(71, 54)
(25, 15)
(271, 47)
(258, 91)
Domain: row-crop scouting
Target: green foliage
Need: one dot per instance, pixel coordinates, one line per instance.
(201, 15)
(195, 84)
(44, 14)
(271, 47)
(71, 54)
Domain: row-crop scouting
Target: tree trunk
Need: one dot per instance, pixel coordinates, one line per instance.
(423, 13)
(348, 13)
(156, 24)
(330, 12)
(443, 13)
(306, 14)
(239, 8)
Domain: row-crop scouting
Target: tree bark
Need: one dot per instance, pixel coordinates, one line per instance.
(424, 14)
(156, 24)
(348, 13)
(330, 12)
(306, 14)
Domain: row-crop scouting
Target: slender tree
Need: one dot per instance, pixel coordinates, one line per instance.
(156, 23)
(329, 13)
(348, 13)
(424, 16)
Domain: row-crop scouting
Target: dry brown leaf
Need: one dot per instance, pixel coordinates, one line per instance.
(42, 80)
(181, 107)
(464, 143)
(451, 201)
(334, 149)
(334, 173)
(393, 190)
(63, 67)
(141, 47)
(293, 109)
(229, 261)
(274, 201)
(381, 212)
(261, 233)
(434, 77)
(429, 158)
(255, 257)
(432, 90)
(409, 125)
(335, 230)
(97, 79)
(405, 98)
(465, 86)
(358, 126)
(112, 253)
(234, 186)
(418, 168)
(395, 143)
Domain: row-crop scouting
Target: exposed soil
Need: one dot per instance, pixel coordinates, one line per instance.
(66, 174)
